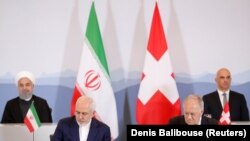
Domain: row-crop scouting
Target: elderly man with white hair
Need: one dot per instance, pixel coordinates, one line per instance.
(193, 108)
(17, 108)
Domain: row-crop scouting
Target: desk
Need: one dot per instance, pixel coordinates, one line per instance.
(240, 123)
(17, 132)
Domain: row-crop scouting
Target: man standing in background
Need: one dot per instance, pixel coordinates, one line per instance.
(223, 99)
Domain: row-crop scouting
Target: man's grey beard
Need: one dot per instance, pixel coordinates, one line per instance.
(25, 96)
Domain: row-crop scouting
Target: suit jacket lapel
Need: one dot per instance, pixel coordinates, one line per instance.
(75, 130)
(93, 130)
(217, 101)
(18, 112)
(204, 120)
(231, 103)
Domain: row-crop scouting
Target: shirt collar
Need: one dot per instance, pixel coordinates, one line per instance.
(221, 92)
(84, 125)
(200, 121)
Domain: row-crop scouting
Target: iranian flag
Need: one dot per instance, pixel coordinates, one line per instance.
(158, 99)
(31, 119)
(93, 76)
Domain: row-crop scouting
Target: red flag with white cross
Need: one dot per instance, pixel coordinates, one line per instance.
(158, 99)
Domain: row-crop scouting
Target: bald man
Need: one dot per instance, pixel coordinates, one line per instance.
(82, 126)
(17, 108)
(213, 102)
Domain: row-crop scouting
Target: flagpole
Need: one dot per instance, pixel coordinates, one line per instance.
(33, 136)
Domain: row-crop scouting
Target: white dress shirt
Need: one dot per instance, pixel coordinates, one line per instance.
(84, 131)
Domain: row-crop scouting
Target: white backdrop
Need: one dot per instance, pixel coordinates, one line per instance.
(46, 36)
(203, 34)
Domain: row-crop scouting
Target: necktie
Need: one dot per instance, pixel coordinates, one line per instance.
(224, 99)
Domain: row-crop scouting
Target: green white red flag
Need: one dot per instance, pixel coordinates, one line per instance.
(31, 119)
(93, 76)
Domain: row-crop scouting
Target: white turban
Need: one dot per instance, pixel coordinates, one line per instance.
(25, 74)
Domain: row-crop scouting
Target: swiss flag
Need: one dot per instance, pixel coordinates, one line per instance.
(158, 99)
(225, 115)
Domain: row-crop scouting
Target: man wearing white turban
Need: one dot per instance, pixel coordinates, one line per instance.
(17, 108)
